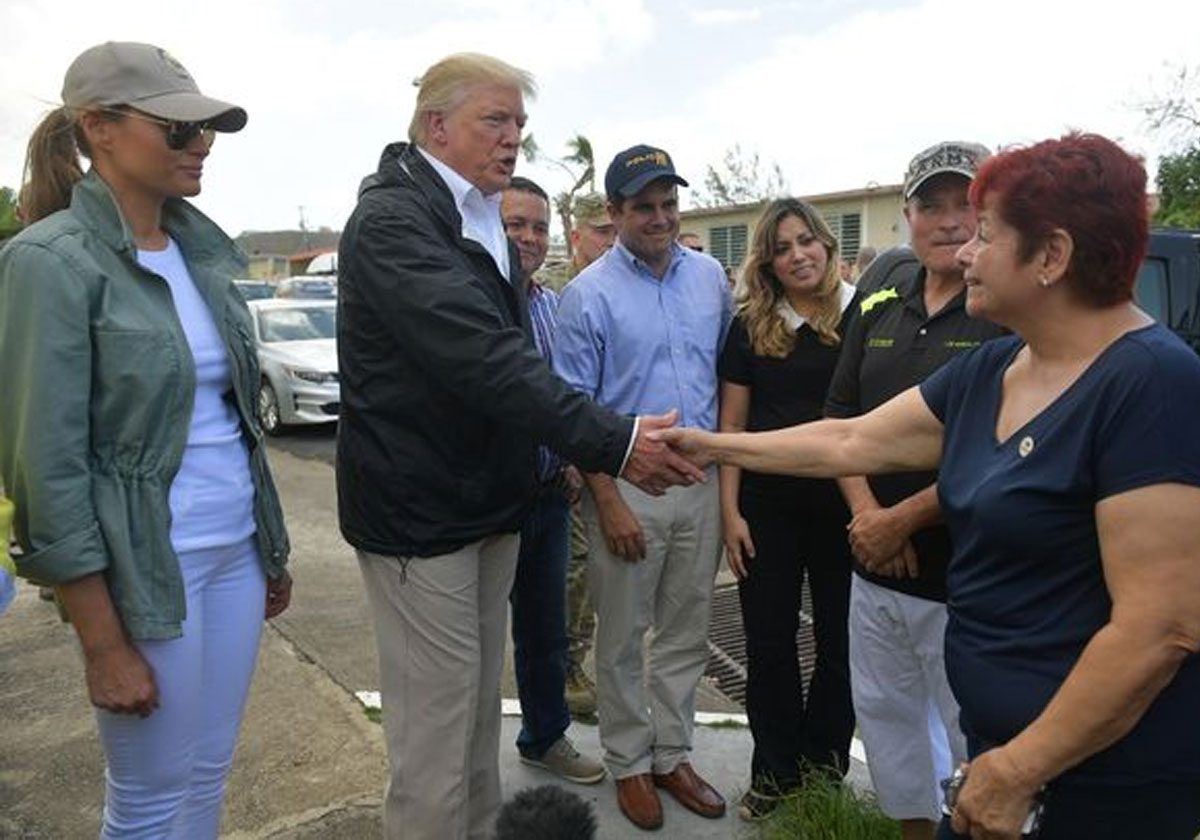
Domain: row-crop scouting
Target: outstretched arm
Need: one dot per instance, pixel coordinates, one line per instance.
(900, 435)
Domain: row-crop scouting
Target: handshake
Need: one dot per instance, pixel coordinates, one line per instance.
(664, 455)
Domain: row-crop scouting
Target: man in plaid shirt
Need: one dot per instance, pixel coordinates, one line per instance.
(539, 590)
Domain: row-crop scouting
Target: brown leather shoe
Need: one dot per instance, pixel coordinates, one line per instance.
(691, 791)
(639, 801)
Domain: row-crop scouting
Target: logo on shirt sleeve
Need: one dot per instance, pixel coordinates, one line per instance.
(883, 295)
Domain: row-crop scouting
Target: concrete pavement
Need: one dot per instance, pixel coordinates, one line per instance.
(310, 764)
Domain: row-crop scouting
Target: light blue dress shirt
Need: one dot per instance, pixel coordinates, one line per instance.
(640, 345)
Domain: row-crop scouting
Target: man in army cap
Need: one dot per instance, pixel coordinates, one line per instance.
(908, 327)
(592, 234)
(592, 231)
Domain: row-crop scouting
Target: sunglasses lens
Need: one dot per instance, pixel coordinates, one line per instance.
(180, 134)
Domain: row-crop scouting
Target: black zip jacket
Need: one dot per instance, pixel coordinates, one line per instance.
(444, 397)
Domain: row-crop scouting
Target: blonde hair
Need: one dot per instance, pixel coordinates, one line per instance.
(445, 85)
(51, 165)
(759, 290)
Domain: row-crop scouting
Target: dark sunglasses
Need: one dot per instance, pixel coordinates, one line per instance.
(178, 134)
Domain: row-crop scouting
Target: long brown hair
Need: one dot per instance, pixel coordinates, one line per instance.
(51, 165)
(759, 290)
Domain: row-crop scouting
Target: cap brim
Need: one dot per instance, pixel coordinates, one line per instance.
(642, 181)
(194, 107)
(946, 170)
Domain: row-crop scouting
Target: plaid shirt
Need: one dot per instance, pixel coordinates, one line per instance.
(543, 309)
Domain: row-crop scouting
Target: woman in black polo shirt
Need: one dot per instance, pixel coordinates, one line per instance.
(778, 359)
(1070, 482)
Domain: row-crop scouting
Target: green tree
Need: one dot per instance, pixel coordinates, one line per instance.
(1179, 189)
(1172, 113)
(10, 223)
(740, 178)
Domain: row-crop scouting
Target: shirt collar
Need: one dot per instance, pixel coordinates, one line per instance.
(795, 320)
(678, 253)
(914, 296)
(462, 189)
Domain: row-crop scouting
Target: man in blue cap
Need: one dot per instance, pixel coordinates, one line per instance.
(639, 331)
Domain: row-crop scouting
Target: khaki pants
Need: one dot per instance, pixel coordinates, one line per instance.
(440, 632)
(670, 593)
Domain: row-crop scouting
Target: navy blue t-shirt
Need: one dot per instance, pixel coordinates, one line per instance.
(1026, 586)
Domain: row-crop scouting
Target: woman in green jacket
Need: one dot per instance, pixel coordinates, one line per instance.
(127, 436)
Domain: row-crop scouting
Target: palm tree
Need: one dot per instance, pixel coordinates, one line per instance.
(579, 155)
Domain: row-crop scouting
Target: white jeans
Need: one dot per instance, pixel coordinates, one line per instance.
(166, 773)
(907, 715)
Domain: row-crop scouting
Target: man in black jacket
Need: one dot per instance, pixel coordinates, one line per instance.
(444, 400)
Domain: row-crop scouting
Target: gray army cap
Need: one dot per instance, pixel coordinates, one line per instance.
(590, 209)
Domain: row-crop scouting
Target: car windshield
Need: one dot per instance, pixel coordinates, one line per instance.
(311, 289)
(300, 324)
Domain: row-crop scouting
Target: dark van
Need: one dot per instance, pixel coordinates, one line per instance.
(1168, 284)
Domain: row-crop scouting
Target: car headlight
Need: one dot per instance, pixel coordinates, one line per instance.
(316, 377)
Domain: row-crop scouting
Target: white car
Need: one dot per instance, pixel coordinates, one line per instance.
(297, 352)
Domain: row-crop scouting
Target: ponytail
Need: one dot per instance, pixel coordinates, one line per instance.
(51, 166)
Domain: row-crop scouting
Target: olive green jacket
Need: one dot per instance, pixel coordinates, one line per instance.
(97, 384)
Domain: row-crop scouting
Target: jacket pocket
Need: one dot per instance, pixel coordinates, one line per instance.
(136, 379)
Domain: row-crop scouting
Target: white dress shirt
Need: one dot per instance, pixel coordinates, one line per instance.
(480, 213)
(795, 320)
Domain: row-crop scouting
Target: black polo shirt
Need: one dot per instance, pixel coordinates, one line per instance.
(786, 392)
(893, 345)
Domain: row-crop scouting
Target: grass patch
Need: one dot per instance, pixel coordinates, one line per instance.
(827, 810)
(726, 723)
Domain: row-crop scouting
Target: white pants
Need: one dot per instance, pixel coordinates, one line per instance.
(670, 590)
(166, 773)
(440, 632)
(907, 716)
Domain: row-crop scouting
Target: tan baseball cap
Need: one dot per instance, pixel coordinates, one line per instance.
(147, 78)
(590, 209)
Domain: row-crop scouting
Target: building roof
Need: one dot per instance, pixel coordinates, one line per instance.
(860, 192)
(287, 243)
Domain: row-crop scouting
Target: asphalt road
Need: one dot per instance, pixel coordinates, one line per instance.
(310, 764)
(313, 443)
(334, 629)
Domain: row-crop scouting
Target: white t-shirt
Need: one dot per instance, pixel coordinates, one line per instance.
(212, 496)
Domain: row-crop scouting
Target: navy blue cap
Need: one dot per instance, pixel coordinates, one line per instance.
(634, 168)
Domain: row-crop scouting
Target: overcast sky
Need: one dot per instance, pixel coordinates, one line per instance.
(840, 93)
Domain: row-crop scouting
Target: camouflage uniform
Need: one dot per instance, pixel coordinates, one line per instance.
(581, 613)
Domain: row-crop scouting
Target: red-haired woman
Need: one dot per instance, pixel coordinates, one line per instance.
(1070, 481)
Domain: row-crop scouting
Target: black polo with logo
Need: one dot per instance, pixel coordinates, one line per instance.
(892, 345)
